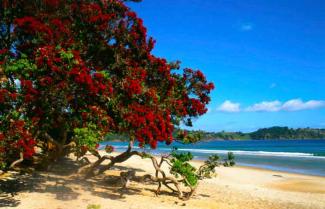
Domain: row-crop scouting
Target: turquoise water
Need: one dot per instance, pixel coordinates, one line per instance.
(296, 156)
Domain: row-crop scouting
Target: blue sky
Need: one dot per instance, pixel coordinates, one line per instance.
(266, 58)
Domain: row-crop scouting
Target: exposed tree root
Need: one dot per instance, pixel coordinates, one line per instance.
(160, 176)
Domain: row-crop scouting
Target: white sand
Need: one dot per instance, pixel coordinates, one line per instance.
(237, 187)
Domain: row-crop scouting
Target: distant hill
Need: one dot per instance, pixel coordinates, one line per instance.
(288, 133)
(275, 132)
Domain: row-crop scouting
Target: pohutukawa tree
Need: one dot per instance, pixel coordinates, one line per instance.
(73, 71)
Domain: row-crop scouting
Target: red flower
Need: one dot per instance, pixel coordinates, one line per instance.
(133, 87)
(28, 98)
(84, 148)
(131, 14)
(52, 3)
(13, 96)
(2, 136)
(3, 51)
(46, 81)
(19, 124)
(153, 144)
(200, 75)
(98, 75)
(84, 115)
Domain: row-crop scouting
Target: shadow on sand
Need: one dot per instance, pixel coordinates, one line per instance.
(61, 180)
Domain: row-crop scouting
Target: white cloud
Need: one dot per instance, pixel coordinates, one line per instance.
(229, 106)
(298, 104)
(272, 106)
(290, 105)
(265, 106)
(246, 27)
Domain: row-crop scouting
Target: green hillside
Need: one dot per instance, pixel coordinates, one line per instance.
(275, 132)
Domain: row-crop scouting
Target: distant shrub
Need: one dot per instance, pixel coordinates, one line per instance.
(230, 160)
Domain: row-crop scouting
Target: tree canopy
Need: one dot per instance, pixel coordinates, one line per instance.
(74, 71)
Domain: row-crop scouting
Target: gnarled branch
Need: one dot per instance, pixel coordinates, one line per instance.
(21, 159)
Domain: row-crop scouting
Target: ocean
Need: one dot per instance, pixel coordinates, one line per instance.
(295, 156)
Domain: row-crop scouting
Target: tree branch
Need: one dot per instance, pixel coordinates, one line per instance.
(21, 159)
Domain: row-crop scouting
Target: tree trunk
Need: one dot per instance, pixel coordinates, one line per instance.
(113, 160)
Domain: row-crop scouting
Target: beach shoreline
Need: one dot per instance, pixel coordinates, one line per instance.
(233, 187)
(302, 157)
(200, 160)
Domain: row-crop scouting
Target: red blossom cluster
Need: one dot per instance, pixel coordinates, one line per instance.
(6, 96)
(17, 138)
(34, 27)
(100, 117)
(150, 126)
(55, 67)
(52, 3)
(29, 92)
(132, 86)
(3, 52)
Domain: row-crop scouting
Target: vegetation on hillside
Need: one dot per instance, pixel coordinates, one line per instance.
(275, 132)
(288, 133)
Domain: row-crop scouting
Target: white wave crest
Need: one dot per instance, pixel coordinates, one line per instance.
(254, 153)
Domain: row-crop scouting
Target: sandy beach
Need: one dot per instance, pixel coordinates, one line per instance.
(235, 187)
